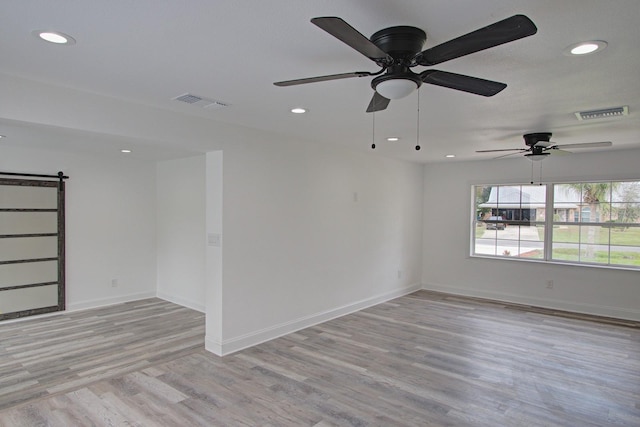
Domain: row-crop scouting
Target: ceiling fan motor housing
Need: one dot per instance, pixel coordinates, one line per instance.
(532, 139)
(402, 43)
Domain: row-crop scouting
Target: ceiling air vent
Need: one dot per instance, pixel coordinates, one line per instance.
(602, 114)
(199, 101)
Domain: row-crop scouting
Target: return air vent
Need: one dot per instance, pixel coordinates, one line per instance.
(199, 101)
(602, 114)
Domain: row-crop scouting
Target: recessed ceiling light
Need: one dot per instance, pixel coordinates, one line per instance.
(585, 48)
(298, 110)
(450, 156)
(2, 136)
(393, 138)
(54, 37)
(125, 151)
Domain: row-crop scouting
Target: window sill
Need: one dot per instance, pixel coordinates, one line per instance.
(556, 262)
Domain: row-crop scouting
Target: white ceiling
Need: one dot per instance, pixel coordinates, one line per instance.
(150, 51)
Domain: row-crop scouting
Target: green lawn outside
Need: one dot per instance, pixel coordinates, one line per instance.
(571, 234)
(600, 257)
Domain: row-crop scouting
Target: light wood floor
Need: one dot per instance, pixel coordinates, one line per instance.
(426, 359)
(40, 357)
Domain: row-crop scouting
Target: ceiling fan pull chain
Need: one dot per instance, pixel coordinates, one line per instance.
(373, 131)
(532, 171)
(418, 124)
(540, 182)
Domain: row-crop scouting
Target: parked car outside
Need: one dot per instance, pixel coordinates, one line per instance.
(495, 225)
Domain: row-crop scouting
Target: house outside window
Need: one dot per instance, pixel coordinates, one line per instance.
(595, 223)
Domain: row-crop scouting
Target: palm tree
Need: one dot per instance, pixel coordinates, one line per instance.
(593, 194)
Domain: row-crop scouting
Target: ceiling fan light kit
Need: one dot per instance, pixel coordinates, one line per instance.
(537, 157)
(392, 87)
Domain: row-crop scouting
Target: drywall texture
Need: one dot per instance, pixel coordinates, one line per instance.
(448, 267)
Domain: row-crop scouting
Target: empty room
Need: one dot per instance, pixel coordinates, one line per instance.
(357, 213)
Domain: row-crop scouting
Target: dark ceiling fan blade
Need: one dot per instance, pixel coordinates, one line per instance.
(349, 35)
(507, 30)
(323, 78)
(378, 103)
(461, 82)
(584, 145)
(522, 150)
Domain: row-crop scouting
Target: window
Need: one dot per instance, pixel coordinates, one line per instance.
(510, 220)
(595, 223)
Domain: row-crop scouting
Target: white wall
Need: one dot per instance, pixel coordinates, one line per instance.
(306, 234)
(213, 276)
(310, 233)
(181, 231)
(110, 222)
(448, 267)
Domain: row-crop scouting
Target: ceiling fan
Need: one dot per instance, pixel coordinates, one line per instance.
(398, 49)
(540, 146)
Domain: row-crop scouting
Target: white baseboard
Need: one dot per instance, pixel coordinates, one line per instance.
(213, 346)
(182, 301)
(554, 304)
(83, 305)
(248, 340)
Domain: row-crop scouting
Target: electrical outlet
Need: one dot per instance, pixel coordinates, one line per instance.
(549, 284)
(399, 274)
(114, 283)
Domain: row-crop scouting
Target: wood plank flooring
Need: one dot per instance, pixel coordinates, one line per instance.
(425, 359)
(39, 357)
